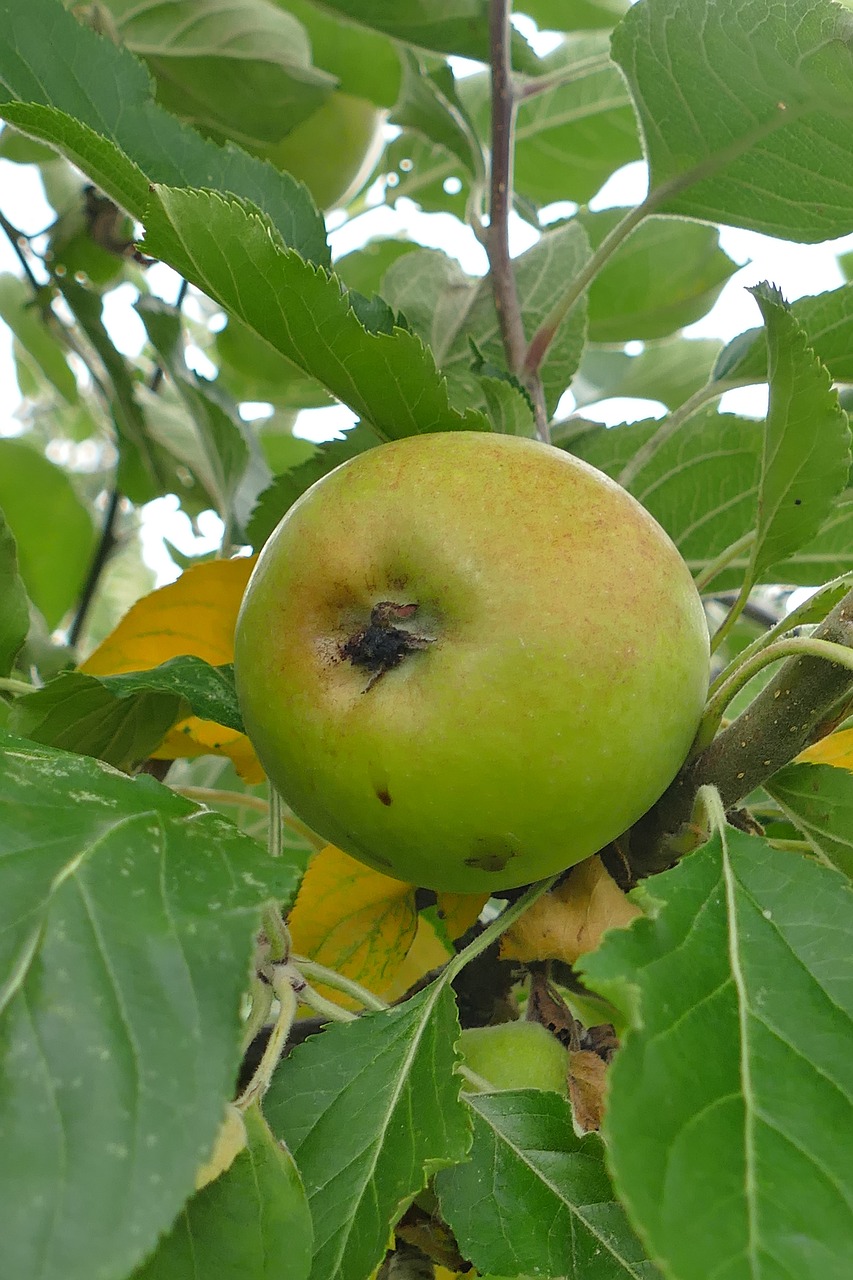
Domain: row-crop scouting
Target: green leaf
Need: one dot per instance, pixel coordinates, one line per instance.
(123, 719)
(19, 309)
(74, 712)
(364, 268)
(668, 274)
(700, 485)
(806, 456)
(14, 605)
(508, 405)
(252, 1221)
(224, 459)
(286, 488)
(746, 111)
(92, 101)
(450, 310)
(145, 470)
(234, 255)
(827, 555)
(555, 15)
(818, 800)
(669, 371)
(370, 1109)
(250, 369)
(242, 69)
(365, 63)
(570, 138)
(461, 27)
(430, 105)
(128, 927)
(827, 319)
(53, 554)
(536, 1198)
(729, 1093)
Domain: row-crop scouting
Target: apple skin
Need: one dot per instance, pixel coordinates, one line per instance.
(333, 151)
(516, 1055)
(560, 682)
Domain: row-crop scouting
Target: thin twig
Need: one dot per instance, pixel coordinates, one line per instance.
(15, 237)
(504, 287)
(106, 542)
(159, 372)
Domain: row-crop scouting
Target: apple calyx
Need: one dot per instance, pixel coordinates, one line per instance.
(382, 645)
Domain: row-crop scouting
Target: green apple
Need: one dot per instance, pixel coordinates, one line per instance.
(516, 1055)
(333, 151)
(470, 660)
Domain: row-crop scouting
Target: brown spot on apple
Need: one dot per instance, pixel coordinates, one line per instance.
(491, 854)
(383, 794)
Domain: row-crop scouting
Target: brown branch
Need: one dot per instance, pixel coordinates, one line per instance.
(504, 286)
(800, 705)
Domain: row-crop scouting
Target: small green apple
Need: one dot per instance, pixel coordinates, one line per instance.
(470, 660)
(333, 151)
(516, 1055)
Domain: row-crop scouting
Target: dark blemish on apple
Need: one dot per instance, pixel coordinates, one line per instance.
(383, 795)
(379, 860)
(382, 645)
(490, 855)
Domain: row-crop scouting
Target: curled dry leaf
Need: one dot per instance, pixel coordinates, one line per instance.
(570, 920)
(195, 615)
(587, 1082)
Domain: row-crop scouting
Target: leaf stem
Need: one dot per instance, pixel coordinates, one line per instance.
(723, 560)
(672, 423)
(544, 335)
(504, 286)
(735, 610)
(803, 613)
(275, 833)
(338, 982)
(9, 685)
(795, 646)
(494, 930)
(277, 935)
(287, 1005)
(532, 87)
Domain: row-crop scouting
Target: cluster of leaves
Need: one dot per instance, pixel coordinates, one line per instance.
(136, 978)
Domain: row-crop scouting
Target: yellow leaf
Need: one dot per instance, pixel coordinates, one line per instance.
(835, 749)
(230, 1141)
(569, 921)
(354, 920)
(195, 615)
(426, 952)
(460, 910)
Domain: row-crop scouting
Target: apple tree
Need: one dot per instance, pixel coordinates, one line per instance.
(230, 1048)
